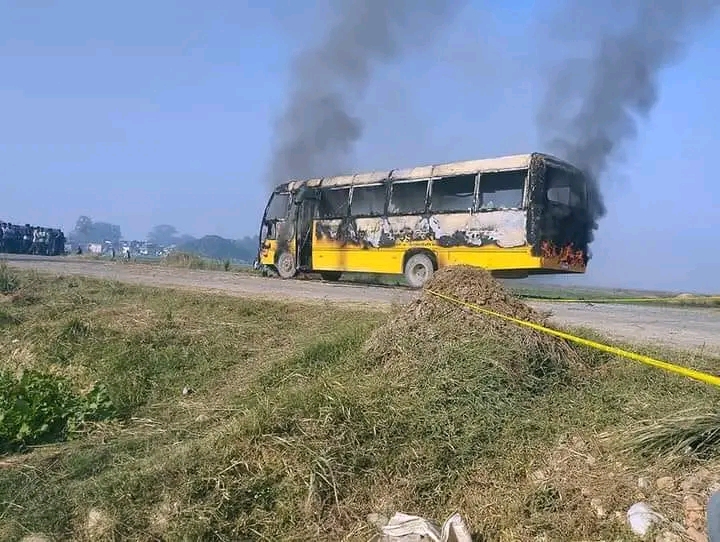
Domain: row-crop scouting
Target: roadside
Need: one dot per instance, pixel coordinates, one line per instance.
(696, 329)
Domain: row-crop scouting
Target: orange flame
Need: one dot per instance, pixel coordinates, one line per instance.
(565, 256)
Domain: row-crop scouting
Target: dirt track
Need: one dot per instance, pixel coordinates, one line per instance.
(685, 328)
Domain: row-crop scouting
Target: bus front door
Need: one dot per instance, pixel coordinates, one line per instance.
(303, 244)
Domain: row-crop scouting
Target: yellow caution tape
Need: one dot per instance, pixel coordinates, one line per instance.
(670, 367)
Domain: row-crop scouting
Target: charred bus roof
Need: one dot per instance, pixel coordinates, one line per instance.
(467, 167)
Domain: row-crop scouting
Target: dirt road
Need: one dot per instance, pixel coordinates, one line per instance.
(686, 328)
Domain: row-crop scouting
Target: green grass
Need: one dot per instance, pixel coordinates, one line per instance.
(294, 430)
(36, 407)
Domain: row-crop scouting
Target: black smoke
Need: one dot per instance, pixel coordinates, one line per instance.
(317, 132)
(592, 103)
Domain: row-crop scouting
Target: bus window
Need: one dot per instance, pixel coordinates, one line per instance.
(277, 210)
(334, 203)
(453, 194)
(502, 190)
(565, 188)
(368, 200)
(407, 197)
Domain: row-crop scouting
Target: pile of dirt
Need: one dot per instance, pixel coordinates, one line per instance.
(476, 286)
(430, 325)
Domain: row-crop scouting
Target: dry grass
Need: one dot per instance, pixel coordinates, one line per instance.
(298, 425)
(684, 300)
(612, 295)
(689, 434)
(188, 260)
(8, 280)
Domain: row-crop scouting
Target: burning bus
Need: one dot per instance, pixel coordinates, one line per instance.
(512, 215)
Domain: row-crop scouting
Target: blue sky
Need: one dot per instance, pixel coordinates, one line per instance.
(162, 112)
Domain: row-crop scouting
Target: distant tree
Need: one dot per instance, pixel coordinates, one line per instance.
(87, 231)
(163, 234)
(220, 248)
(104, 231)
(83, 226)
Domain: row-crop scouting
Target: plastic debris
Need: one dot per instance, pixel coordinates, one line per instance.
(407, 528)
(641, 518)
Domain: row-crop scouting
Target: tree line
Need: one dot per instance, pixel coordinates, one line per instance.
(209, 246)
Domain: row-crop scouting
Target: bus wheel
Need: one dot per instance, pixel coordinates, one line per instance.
(286, 265)
(330, 276)
(418, 270)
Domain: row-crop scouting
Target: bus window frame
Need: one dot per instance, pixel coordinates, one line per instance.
(469, 211)
(426, 206)
(323, 190)
(384, 184)
(573, 175)
(525, 188)
(288, 194)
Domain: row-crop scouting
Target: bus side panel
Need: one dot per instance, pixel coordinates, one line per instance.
(491, 258)
(355, 245)
(493, 240)
(358, 260)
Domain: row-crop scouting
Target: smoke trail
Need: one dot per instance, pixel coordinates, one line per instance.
(589, 109)
(316, 134)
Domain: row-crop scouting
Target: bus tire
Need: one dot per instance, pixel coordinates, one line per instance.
(330, 276)
(419, 269)
(285, 265)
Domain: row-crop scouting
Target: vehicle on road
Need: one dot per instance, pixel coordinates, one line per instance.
(27, 239)
(512, 215)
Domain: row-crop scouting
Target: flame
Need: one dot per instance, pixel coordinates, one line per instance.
(565, 256)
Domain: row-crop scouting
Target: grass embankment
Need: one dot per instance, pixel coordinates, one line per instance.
(301, 420)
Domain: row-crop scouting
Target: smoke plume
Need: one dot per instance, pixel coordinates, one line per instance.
(318, 130)
(591, 104)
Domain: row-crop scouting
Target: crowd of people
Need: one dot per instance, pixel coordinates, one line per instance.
(27, 239)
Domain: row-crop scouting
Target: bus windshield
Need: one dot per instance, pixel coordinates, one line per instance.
(277, 209)
(565, 187)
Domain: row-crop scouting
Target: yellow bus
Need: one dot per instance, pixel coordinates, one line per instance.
(512, 215)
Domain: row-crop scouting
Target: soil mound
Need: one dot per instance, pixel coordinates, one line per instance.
(430, 327)
(476, 286)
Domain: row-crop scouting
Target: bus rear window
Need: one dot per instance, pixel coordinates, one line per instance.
(565, 188)
(453, 194)
(278, 207)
